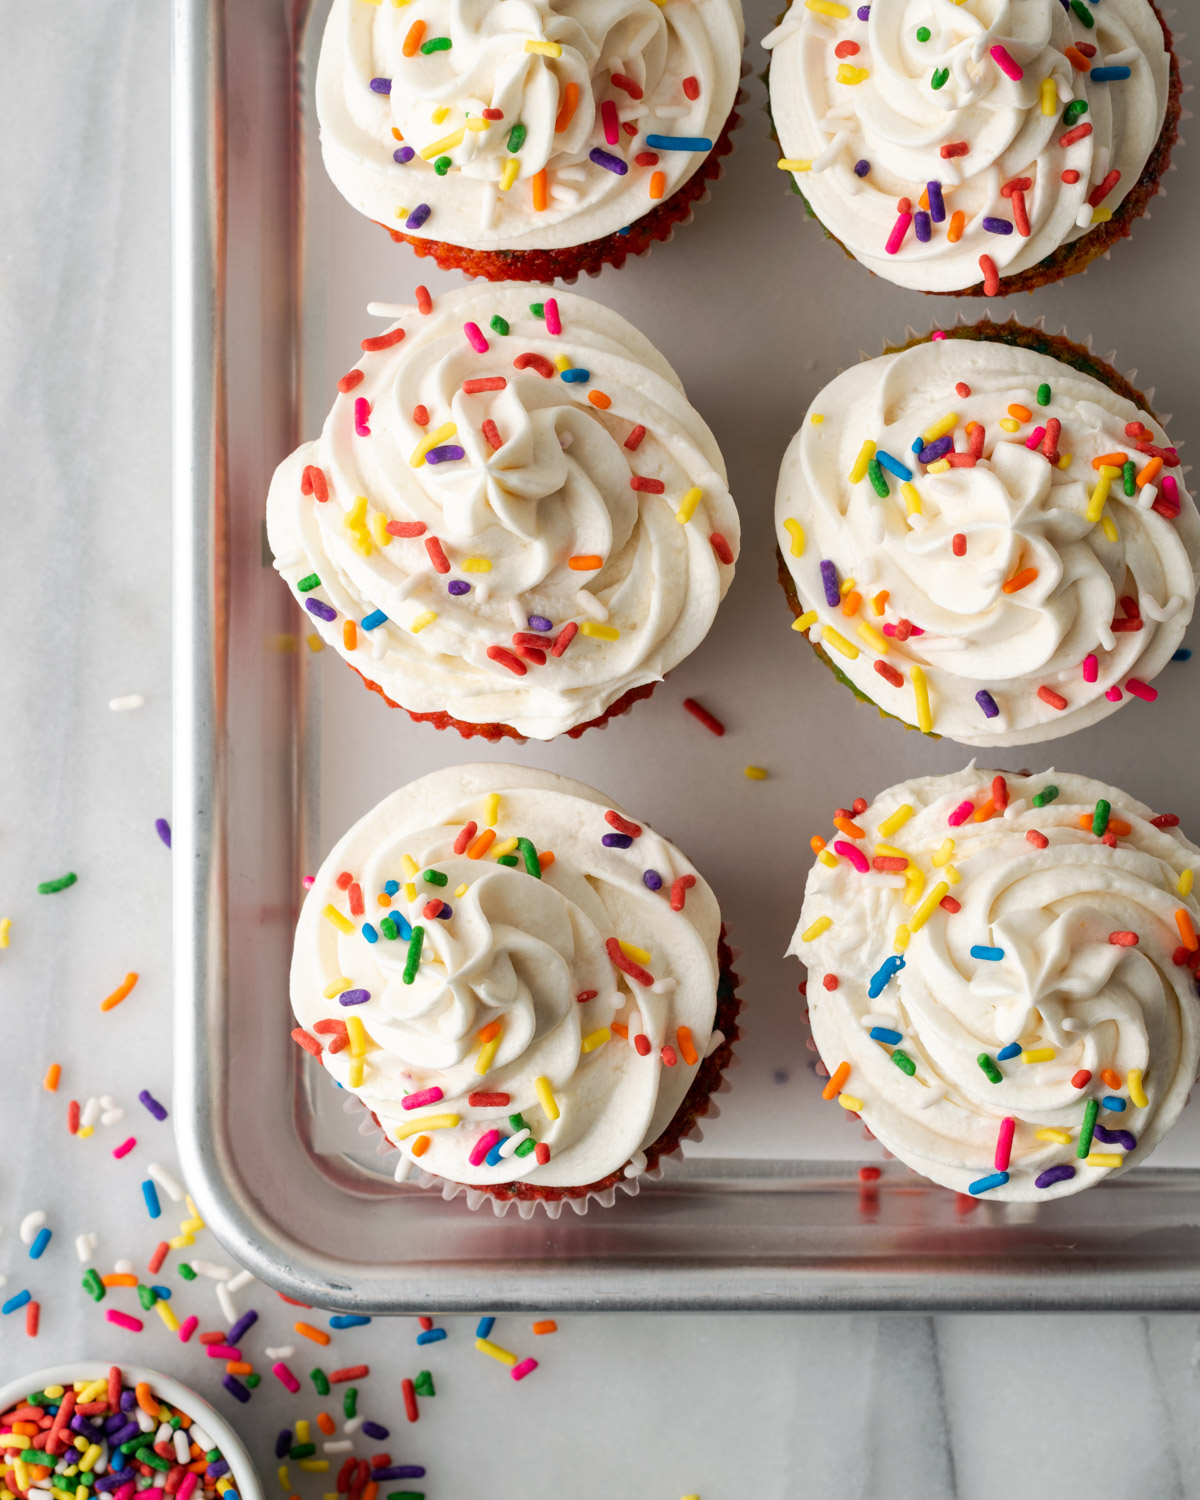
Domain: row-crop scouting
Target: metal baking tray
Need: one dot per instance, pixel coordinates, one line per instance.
(277, 751)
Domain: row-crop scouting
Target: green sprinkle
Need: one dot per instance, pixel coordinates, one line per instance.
(517, 1122)
(407, 1494)
(213, 1455)
(435, 877)
(904, 1062)
(939, 77)
(1044, 395)
(147, 1296)
(186, 1271)
(1128, 473)
(923, 33)
(138, 1442)
(533, 864)
(990, 1071)
(1073, 110)
(252, 1380)
(499, 325)
(148, 1456)
(93, 1286)
(1100, 817)
(526, 1147)
(516, 138)
(320, 1380)
(1090, 1110)
(306, 585)
(389, 928)
(1083, 13)
(51, 887)
(442, 165)
(1047, 794)
(39, 1398)
(538, 309)
(436, 44)
(423, 1384)
(302, 1450)
(350, 1402)
(176, 1423)
(414, 957)
(878, 483)
(508, 859)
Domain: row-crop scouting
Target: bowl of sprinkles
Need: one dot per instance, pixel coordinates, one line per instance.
(98, 1432)
(978, 149)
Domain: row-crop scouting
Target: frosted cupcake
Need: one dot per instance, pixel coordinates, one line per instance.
(1002, 978)
(513, 523)
(529, 990)
(987, 535)
(977, 147)
(528, 139)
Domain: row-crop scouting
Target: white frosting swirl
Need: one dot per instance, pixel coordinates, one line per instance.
(529, 954)
(987, 624)
(1027, 963)
(882, 105)
(511, 520)
(547, 67)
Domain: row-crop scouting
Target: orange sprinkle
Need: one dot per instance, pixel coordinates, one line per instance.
(123, 989)
(1019, 581)
(545, 859)
(621, 1031)
(1113, 1080)
(326, 1423)
(816, 843)
(547, 1325)
(1079, 62)
(541, 193)
(416, 35)
(384, 899)
(958, 222)
(879, 603)
(834, 1087)
(1110, 461)
(851, 602)
(1187, 932)
(238, 1367)
(567, 110)
(984, 811)
(684, 1037)
(119, 1278)
(849, 828)
(490, 1032)
(397, 134)
(598, 398)
(306, 1329)
(53, 1074)
(145, 1398)
(370, 1491)
(1022, 413)
(658, 184)
(1150, 473)
(1115, 825)
(925, 199)
(585, 563)
(349, 635)
(482, 844)
(421, 1145)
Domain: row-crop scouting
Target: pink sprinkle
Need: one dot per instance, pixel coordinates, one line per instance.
(482, 1146)
(475, 338)
(1141, 690)
(123, 1320)
(1004, 1142)
(1114, 694)
(426, 1096)
(1170, 492)
(553, 321)
(856, 857)
(608, 114)
(186, 1485)
(937, 334)
(125, 1147)
(128, 1491)
(362, 410)
(526, 1367)
(1004, 61)
(1034, 440)
(899, 230)
(281, 1372)
(960, 814)
(1091, 668)
(224, 1351)
(187, 1328)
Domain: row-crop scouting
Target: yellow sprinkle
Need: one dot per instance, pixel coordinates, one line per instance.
(793, 164)
(546, 1097)
(914, 884)
(940, 428)
(85, 1132)
(810, 934)
(848, 1101)
(838, 642)
(383, 537)
(181, 1241)
(804, 621)
(817, 418)
(487, 1054)
(631, 950)
(431, 440)
(912, 498)
(505, 846)
(424, 1122)
(491, 809)
(461, 890)
(939, 466)
(845, 586)
(827, 8)
(755, 773)
(1137, 1094)
(356, 517)
(900, 941)
(847, 73)
(303, 1430)
(314, 643)
(426, 617)
(1049, 97)
(921, 693)
(561, 363)
(927, 907)
(284, 1477)
(90, 1392)
(1059, 1137)
(6, 927)
(595, 1039)
(1184, 884)
(944, 855)
(873, 638)
(952, 874)
(1099, 496)
(476, 565)
(891, 851)
(508, 174)
(447, 143)
(600, 632)
(1103, 1159)
(409, 865)
(476, 123)
(163, 1309)
(865, 454)
(313, 1465)
(1101, 216)
(1039, 1054)
(192, 1226)
(896, 820)
(343, 924)
(439, 114)
(827, 859)
(544, 49)
(331, 991)
(1109, 527)
(53, 1391)
(1009, 425)
(687, 506)
(360, 1041)
(505, 1356)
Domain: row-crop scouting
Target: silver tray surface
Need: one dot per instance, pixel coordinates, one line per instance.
(277, 752)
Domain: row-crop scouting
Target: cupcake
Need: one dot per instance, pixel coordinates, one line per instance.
(513, 522)
(976, 148)
(525, 140)
(1002, 977)
(528, 990)
(986, 534)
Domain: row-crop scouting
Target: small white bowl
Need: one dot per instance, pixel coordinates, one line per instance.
(171, 1391)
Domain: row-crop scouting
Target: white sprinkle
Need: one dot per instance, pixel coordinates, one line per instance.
(112, 1116)
(591, 605)
(510, 1145)
(217, 1273)
(663, 986)
(519, 618)
(84, 1245)
(716, 1040)
(165, 1433)
(200, 1437)
(877, 1018)
(280, 1351)
(404, 1166)
(241, 1280)
(637, 1164)
(30, 1225)
(226, 1303)
(169, 1184)
(355, 1423)
(342, 1445)
(145, 1423)
(183, 1450)
(130, 700)
(925, 1098)
(90, 1113)
(1147, 495)
(124, 1267)
(392, 310)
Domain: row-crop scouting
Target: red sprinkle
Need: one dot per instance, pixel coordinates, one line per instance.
(507, 659)
(869, 1174)
(1055, 700)
(627, 965)
(424, 300)
(889, 863)
(698, 711)
(73, 1117)
(1165, 820)
(1123, 939)
(485, 383)
(948, 903)
(344, 881)
(634, 440)
(650, 486)
(565, 636)
(830, 981)
(955, 148)
(313, 483)
(959, 544)
(679, 889)
(669, 1056)
(964, 390)
(642, 1045)
(991, 277)
(537, 362)
(691, 87)
(421, 416)
(1020, 213)
(646, 158)
(309, 1043)
(889, 674)
(1080, 132)
(623, 825)
(1070, 176)
(1102, 189)
(999, 793)
(627, 86)
(1081, 1079)
(1038, 840)
(585, 995)
(491, 434)
(721, 547)
(410, 1400)
(161, 1250)
(347, 383)
(437, 554)
(487, 1100)
(541, 1153)
(466, 835)
(350, 1372)
(383, 341)
(33, 1312)
(355, 897)
(432, 909)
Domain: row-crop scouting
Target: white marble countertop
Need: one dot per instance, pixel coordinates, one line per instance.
(649, 1407)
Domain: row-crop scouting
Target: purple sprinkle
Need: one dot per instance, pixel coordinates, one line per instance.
(283, 1442)
(354, 997)
(1062, 1173)
(1120, 1138)
(217, 1469)
(608, 161)
(864, 12)
(163, 829)
(457, 586)
(235, 1388)
(997, 226)
(830, 579)
(128, 1402)
(159, 1113)
(652, 880)
(540, 622)
(319, 608)
(922, 227)
(374, 1431)
(403, 155)
(987, 703)
(447, 453)
(616, 841)
(398, 1471)
(381, 85)
(937, 449)
(84, 1428)
(446, 912)
(418, 217)
(861, 168)
(937, 204)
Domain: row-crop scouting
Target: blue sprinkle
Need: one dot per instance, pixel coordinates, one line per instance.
(608, 161)
(493, 1158)
(882, 1034)
(403, 924)
(1183, 654)
(893, 465)
(918, 445)
(16, 1302)
(38, 1248)
(458, 586)
(483, 1329)
(369, 933)
(391, 886)
(987, 703)
(576, 377)
(997, 226)
(1111, 1101)
(616, 841)
(150, 1193)
(163, 1293)
(354, 997)
(652, 880)
(882, 976)
(446, 454)
(431, 1336)
(319, 608)
(348, 1320)
(679, 143)
(1006, 1054)
(992, 955)
(375, 618)
(381, 85)
(417, 218)
(163, 829)
(402, 155)
(861, 168)
(540, 623)
(986, 1184)
(1109, 75)
(152, 1104)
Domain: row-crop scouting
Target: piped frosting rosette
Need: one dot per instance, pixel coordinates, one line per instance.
(986, 541)
(515, 978)
(927, 134)
(519, 124)
(1001, 977)
(509, 517)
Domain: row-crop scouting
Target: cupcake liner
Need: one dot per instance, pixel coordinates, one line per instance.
(658, 225)
(697, 1104)
(1075, 257)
